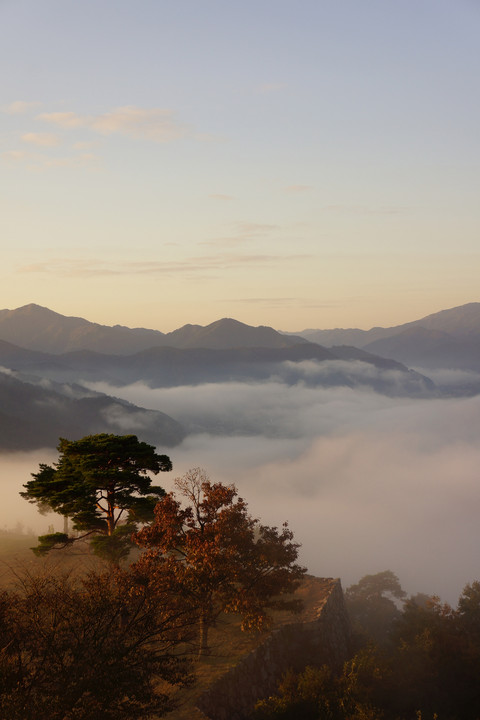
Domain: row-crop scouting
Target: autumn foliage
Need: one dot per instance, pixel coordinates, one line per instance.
(218, 557)
(118, 643)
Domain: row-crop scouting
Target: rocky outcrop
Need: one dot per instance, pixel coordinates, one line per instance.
(323, 635)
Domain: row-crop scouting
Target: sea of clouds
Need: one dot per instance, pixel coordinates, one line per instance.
(366, 482)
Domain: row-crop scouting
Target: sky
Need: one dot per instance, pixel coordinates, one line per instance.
(308, 164)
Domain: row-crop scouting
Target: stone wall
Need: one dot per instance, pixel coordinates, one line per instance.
(323, 635)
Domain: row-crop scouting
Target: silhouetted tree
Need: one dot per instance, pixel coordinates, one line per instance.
(102, 483)
(373, 604)
(469, 610)
(218, 556)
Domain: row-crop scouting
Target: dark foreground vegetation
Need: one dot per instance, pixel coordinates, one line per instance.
(122, 638)
(99, 645)
(415, 659)
(118, 640)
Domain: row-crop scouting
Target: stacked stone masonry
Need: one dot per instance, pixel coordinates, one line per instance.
(323, 635)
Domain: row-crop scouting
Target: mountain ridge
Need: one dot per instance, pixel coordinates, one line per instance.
(445, 339)
(172, 367)
(459, 321)
(38, 328)
(47, 394)
(35, 327)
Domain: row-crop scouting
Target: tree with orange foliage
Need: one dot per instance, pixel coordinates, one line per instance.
(218, 557)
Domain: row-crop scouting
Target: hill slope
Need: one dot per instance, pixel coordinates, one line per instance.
(35, 413)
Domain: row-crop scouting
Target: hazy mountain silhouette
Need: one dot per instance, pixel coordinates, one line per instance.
(228, 333)
(308, 363)
(446, 339)
(43, 394)
(38, 328)
(35, 413)
(461, 322)
(426, 348)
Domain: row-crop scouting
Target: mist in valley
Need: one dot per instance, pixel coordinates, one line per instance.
(366, 482)
(15, 512)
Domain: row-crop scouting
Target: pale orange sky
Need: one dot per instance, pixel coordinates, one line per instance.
(173, 163)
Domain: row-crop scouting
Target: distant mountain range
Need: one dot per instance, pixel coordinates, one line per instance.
(172, 367)
(446, 339)
(51, 365)
(449, 338)
(38, 328)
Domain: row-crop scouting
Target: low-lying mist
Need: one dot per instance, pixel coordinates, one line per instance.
(15, 512)
(367, 483)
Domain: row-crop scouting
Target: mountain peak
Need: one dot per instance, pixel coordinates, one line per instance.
(38, 328)
(29, 309)
(228, 333)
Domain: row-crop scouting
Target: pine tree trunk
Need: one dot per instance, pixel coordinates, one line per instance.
(110, 513)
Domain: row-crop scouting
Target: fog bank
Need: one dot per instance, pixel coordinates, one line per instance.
(15, 471)
(366, 482)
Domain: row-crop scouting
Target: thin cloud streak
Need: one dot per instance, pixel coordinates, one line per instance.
(221, 196)
(41, 139)
(256, 229)
(194, 265)
(298, 188)
(154, 124)
(35, 161)
(287, 302)
(270, 302)
(20, 107)
(368, 210)
(15, 156)
(243, 233)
